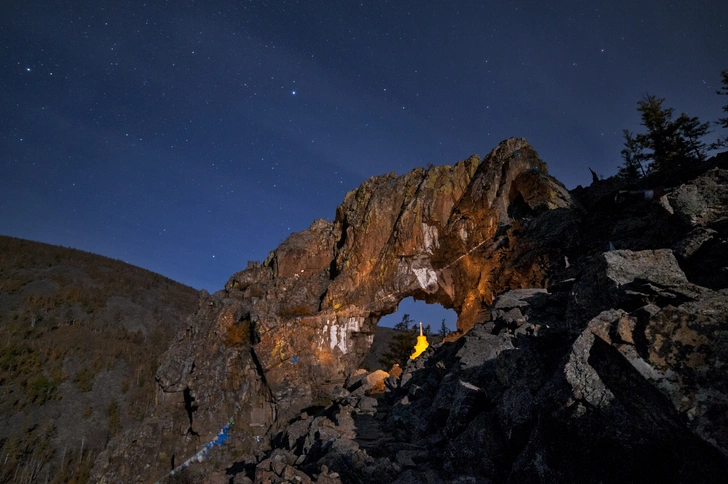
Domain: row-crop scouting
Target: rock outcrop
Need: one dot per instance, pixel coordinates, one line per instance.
(635, 395)
(573, 362)
(285, 331)
(628, 400)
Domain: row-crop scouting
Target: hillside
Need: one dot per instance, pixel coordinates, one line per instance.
(80, 337)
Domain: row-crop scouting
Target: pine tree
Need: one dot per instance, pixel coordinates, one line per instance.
(692, 130)
(402, 344)
(667, 143)
(722, 122)
(405, 323)
(661, 133)
(443, 329)
(633, 156)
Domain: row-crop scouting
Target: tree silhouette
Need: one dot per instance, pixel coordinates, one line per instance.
(443, 329)
(402, 344)
(666, 145)
(405, 323)
(692, 130)
(722, 122)
(633, 158)
(661, 133)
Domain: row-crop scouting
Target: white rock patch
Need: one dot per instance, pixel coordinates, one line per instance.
(426, 277)
(431, 238)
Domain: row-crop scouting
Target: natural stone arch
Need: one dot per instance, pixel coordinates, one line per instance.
(302, 320)
(454, 235)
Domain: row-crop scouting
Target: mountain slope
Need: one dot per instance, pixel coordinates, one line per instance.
(80, 336)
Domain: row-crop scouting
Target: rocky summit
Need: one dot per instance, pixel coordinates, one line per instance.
(590, 345)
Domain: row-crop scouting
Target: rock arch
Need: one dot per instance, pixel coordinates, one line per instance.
(456, 235)
(285, 330)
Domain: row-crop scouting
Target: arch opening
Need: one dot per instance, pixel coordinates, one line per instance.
(430, 314)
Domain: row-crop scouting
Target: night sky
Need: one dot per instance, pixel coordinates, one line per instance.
(190, 137)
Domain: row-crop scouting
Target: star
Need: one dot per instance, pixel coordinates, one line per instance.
(293, 92)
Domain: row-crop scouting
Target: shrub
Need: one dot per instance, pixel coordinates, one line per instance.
(39, 389)
(114, 418)
(84, 379)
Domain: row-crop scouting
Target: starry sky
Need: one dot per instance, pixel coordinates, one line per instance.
(190, 137)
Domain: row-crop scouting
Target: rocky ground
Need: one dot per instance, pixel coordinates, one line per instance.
(638, 395)
(599, 359)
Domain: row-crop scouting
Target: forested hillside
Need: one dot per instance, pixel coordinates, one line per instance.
(80, 335)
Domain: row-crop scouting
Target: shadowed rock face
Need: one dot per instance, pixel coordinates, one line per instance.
(284, 331)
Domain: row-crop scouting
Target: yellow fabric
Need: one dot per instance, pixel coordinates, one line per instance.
(421, 346)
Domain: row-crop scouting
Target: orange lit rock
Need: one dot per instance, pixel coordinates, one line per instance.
(455, 235)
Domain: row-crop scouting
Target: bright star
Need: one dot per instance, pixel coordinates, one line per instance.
(293, 92)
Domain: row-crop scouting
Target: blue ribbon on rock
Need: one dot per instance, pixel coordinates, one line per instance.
(222, 437)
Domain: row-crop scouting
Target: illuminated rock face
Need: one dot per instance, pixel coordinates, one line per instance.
(284, 331)
(456, 235)
(448, 235)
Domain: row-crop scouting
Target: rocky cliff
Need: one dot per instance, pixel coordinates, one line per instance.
(591, 347)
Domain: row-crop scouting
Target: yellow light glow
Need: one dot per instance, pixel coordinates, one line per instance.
(421, 345)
